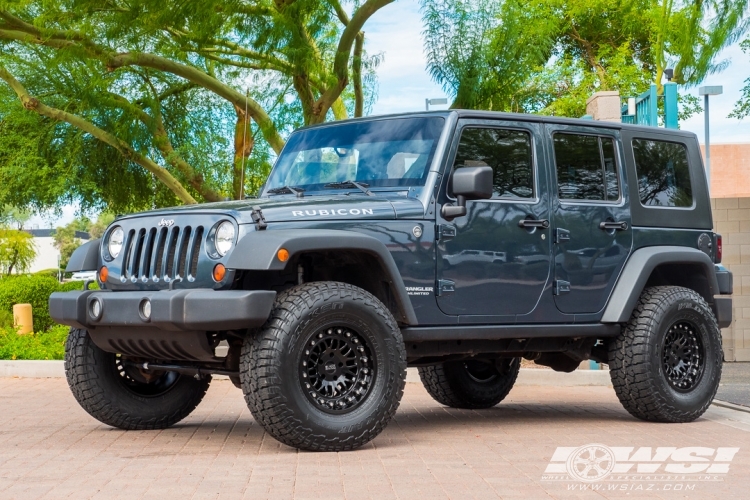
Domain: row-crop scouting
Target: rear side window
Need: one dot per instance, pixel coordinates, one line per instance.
(663, 173)
(586, 168)
(508, 152)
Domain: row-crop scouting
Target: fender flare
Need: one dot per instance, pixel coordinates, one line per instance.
(84, 258)
(639, 267)
(257, 251)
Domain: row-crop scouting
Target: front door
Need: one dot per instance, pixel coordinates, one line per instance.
(495, 261)
(591, 220)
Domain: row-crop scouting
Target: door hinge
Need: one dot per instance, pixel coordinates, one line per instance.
(446, 231)
(445, 286)
(561, 287)
(562, 235)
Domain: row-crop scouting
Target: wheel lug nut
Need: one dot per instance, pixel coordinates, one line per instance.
(339, 331)
(307, 385)
(320, 335)
(348, 334)
(330, 331)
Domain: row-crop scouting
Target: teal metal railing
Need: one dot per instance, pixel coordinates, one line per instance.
(647, 107)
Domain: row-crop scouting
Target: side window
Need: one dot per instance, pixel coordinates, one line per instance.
(508, 152)
(663, 173)
(586, 168)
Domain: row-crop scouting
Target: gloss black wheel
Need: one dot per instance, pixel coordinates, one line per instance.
(115, 392)
(327, 370)
(474, 383)
(337, 369)
(683, 356)
(666, 363)
(147, 384)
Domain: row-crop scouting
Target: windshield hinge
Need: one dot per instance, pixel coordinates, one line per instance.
(260, 221)
(446, 231)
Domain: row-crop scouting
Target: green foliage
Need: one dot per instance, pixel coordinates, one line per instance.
(549, 57)
(138, 104)
(17, 251)
(742, 107)
(34, 290)
(97, 228)
(41, 345)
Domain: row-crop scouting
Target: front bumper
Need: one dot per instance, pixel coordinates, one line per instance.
(176, 310)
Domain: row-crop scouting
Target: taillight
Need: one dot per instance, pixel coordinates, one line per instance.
(718, 252)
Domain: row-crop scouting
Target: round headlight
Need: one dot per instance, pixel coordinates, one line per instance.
(224, 237)
(116, 237)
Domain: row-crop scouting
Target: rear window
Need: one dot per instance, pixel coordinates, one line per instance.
(663, 173)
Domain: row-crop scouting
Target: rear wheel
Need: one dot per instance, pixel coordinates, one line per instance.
(666, 364)
(114, 391)
(472, 383)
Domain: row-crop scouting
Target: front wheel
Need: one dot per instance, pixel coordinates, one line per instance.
(327, 370)
(666, 364)
(473, 384)
(115, 392)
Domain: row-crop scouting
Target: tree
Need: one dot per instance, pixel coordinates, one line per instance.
(17, 251)
(97, 228)
(742, 107)
(562, 51)
(145, 88)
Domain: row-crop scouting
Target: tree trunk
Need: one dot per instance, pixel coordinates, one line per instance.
(243, 147)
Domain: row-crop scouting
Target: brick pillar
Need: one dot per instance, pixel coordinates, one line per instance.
(605, 106)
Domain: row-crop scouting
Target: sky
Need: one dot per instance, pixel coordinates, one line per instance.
(404, 83)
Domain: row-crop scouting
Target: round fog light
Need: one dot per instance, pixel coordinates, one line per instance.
(95, 309)
(146, 309)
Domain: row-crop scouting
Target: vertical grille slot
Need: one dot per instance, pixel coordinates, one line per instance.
(136, 255)
(148, 249)
(159, 257)
(128, 254)
(195, 251)
(182, 256)
(171, 250)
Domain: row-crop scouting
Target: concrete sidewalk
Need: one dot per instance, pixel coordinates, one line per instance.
(50, 448)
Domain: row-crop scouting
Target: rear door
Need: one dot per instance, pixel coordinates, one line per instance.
(591, 217)
(495, 261)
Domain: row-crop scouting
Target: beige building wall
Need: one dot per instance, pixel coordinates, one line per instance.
(732, 221)
(730, 170)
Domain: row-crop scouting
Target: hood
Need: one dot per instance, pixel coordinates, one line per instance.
(289, 208)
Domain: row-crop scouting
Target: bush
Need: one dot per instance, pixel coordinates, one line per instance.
(44, 345)
(34, 290)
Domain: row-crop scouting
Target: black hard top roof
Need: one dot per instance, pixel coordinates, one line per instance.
(496, 115)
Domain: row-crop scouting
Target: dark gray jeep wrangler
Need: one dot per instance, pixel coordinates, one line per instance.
(456, 242)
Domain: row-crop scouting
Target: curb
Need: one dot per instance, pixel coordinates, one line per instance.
(32, 369)
(528, 376)
(546, 377)
(731, 406)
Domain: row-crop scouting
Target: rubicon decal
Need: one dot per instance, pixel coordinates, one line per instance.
(597, 462)
(332, 212)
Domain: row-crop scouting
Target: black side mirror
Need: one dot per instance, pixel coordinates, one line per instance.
(468, 183)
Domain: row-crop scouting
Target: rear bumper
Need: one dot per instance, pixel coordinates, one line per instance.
(176, 310)
(723, 310)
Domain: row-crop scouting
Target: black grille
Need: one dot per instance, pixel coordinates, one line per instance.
(162, 254)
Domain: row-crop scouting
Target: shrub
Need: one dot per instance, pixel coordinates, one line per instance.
(43, 345)
(34, 290)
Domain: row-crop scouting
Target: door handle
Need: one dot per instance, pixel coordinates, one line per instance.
(613, 225)
(528, 223)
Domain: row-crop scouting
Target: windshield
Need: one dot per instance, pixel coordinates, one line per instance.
(382, 153)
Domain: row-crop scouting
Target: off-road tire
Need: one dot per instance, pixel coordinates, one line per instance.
(451, 383)
(273, 378)
(637, 356)
(101, 390)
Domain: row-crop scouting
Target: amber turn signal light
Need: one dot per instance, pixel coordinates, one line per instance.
(283, 255)
(103, 273)
(219, 272)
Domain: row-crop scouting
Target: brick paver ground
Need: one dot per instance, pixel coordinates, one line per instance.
(50, 448)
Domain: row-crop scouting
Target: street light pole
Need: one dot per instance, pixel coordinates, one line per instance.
(440, 100)
(705, 92)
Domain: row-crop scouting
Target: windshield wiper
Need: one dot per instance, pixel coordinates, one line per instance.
(362, 186)
(299, 192)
